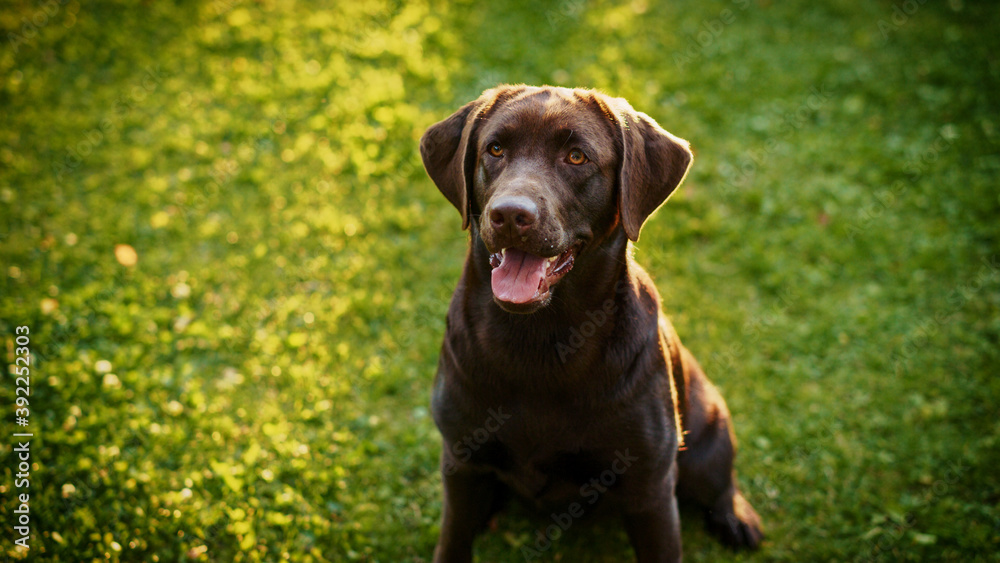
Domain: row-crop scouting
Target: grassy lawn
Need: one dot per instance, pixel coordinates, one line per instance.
(215, 224)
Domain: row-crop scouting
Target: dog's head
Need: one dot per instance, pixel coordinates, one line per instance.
(543, 172)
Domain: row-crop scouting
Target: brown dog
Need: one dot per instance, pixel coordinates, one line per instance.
(560, 379)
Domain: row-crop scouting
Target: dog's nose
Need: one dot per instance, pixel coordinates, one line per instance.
(516, 213)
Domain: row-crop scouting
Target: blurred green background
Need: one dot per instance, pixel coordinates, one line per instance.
(235, 271)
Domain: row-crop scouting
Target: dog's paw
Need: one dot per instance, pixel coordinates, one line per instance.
(736, 524)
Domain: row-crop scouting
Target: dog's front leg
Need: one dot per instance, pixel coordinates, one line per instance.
(655, 530)
(469, 501)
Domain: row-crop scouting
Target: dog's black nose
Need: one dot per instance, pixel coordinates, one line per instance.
(516, 213)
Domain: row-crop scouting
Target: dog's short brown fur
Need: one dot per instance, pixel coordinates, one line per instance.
(546, 391)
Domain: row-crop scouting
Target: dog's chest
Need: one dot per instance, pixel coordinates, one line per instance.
(547, 456)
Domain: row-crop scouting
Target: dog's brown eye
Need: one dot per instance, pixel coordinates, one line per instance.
(496, 150)
(576, 156)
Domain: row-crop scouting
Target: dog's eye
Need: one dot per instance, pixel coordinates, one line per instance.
(576, 156)
(495, 149)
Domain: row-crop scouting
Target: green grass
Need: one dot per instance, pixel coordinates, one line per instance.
(255, 387)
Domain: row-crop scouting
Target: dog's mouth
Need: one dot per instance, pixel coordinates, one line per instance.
(520, 277)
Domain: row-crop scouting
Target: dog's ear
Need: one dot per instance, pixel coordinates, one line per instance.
(444, 149)
(654, 163)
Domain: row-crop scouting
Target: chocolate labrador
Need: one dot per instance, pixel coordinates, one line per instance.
(560, 379)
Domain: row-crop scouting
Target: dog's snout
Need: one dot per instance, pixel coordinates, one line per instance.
(515, 214)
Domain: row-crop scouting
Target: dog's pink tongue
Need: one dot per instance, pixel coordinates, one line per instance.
(516, 279)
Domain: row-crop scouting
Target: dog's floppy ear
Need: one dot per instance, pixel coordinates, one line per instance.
(654, 163)
(444, 148)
